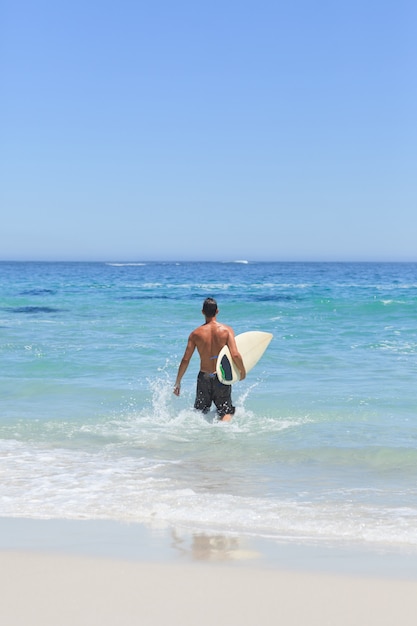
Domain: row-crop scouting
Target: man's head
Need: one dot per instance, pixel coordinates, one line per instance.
(210, 307)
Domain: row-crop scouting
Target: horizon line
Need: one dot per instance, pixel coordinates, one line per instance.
(232, 261)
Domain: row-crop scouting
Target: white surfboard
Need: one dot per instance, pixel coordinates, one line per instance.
(251, 346)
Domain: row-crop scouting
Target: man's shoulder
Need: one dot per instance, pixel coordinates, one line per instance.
(223, 327)
(197, 331)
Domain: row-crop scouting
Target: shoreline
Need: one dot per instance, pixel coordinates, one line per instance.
(134, 542)
(101, 573)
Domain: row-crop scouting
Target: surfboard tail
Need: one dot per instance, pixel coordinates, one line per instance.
(251, 345)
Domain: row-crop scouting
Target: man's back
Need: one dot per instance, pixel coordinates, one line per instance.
(209, 340)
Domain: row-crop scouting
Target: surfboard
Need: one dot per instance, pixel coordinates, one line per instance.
(251, 346)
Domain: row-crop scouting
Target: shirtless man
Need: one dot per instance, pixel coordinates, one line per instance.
(209, 339)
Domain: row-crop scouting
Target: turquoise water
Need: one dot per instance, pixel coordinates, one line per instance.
(324, 443)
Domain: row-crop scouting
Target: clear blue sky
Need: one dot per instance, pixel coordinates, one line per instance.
(187, 130)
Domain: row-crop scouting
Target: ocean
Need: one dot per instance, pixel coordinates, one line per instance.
(323, 446)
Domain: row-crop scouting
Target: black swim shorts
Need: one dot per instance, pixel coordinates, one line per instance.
(210, 389)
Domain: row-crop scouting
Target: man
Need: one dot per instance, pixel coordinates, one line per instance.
(209, 339)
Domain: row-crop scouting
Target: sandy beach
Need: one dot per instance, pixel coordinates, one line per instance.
(74, 581)
(50, 589)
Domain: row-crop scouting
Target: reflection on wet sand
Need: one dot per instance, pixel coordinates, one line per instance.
(204, 547)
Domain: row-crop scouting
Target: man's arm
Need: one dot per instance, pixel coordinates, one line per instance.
(185, 361)
(236, 356)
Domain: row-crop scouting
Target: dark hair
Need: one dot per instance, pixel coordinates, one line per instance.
(210, 307)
